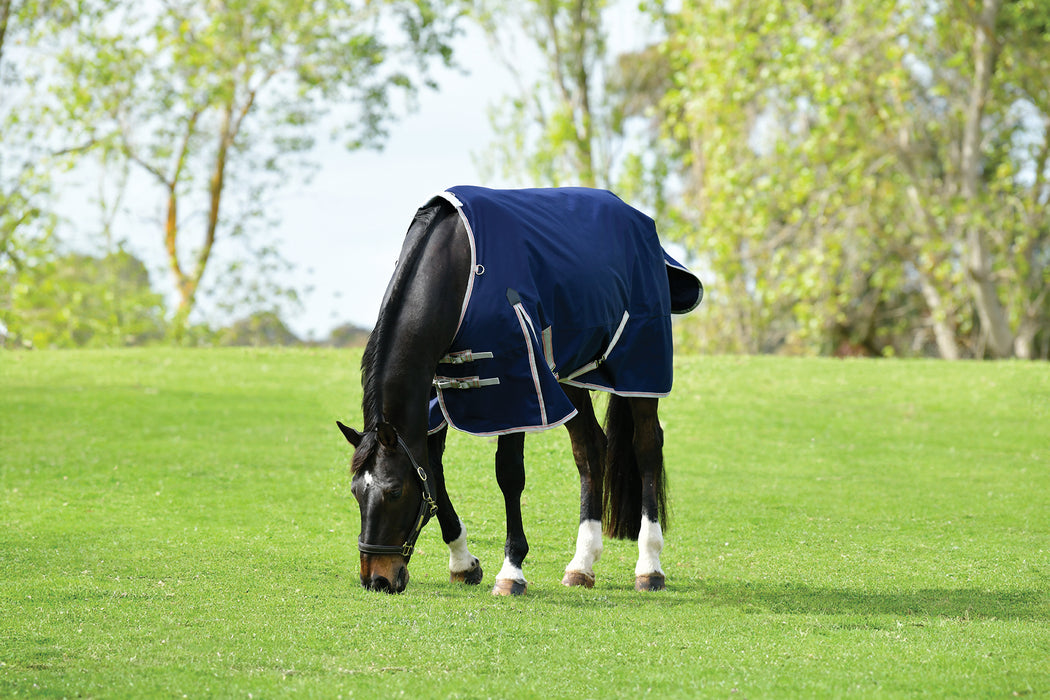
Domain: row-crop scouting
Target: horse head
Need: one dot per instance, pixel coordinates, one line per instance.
(395, 498)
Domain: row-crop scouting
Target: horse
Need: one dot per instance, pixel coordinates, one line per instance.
(422, 369)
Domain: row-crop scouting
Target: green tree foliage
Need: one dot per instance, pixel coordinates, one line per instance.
(263, 328)
(347, 335)
(861, 176)
(560, 129)
(76, 300)
(212, 99)
(25, 224)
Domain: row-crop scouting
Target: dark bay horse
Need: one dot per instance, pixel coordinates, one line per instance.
(397, 471)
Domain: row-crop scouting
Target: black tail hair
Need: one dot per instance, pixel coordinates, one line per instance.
(622, 501)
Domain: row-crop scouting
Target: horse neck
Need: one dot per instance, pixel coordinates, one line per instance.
(417, 322)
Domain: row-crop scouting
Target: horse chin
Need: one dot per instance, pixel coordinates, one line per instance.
(387, 574)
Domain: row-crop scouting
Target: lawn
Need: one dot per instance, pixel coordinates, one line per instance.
(179, 523)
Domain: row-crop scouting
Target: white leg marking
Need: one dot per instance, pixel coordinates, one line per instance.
(459, 557)
(588, 547)
(650, 544)
(510, 572)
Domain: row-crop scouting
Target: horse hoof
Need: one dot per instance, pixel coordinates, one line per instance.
(649, 582)
(578, 578)
(508, 586)
(471, 576)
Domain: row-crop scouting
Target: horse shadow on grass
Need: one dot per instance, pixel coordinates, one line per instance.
(790, 598)
(793, 598)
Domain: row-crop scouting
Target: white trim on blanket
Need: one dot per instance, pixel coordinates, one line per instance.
(496, 433)
(454, 201)
(590, 366)
(607, 390)
(699, 297)
(526, 331)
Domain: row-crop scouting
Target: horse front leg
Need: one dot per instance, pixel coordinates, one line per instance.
(463, 567)
(510, 475)
(588, 451)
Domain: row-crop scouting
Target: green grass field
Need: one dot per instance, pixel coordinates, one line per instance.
(179, 523)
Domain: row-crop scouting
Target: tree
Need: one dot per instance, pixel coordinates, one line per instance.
(560, 129)
(347, 335)
(25, 224)
(263, 328)
(212, 99)
(1010, 57)
(856, 172)
(78, 300)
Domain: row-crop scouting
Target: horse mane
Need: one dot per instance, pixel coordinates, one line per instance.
(377, 349)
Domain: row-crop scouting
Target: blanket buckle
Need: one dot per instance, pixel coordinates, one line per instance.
(464, 382)
(464, 356)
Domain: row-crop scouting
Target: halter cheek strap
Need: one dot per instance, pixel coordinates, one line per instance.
(427, 508)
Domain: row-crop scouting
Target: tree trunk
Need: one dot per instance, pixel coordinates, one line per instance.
(943, 330)
(994, 321)
(183, 285)
(5, 13)
(189, 282)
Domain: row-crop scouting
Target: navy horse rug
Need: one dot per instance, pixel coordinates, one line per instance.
(567, 285)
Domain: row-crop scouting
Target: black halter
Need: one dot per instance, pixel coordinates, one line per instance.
(427, 509)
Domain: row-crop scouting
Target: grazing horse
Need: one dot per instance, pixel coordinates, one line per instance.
(505, 309)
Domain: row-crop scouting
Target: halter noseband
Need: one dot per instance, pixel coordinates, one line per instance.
(427, 509)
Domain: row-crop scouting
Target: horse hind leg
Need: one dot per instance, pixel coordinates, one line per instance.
(648, 449)
(463, 567)
(588, 451)
(510, 475)
(636, 502)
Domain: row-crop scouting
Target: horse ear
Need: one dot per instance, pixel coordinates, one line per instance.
(351, 435)
(387, 435)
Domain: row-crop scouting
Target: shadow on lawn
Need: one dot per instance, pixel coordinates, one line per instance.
(795, 598)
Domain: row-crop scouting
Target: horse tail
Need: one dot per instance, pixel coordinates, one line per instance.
(622, 487)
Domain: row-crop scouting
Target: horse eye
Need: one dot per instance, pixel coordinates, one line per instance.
(394, 493)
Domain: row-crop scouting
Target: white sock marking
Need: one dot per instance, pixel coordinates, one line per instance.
(588, 547)
(511, 572)
(650, 544)
(459, 557)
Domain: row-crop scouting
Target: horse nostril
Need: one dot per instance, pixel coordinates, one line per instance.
(378, 583)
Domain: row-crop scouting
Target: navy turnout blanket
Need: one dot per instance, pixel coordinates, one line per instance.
(567, 285)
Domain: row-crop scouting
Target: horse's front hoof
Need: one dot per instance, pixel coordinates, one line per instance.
(471, 576)
(649, 582)
(578, 578)
(509, 586)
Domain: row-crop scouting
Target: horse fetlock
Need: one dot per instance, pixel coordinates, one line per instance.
(472, 575)
(650, 545)
(510, 580)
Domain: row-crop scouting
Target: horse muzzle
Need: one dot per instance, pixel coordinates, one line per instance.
(385, 574)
